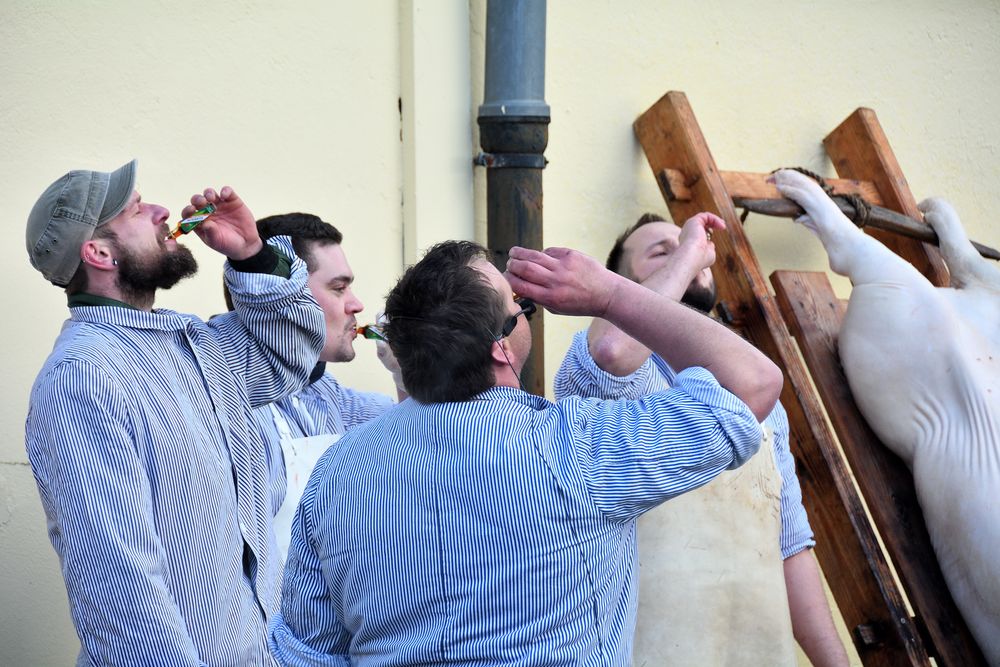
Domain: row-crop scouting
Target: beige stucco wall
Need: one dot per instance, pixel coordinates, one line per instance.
(296, 105)
(767, 81)
(293, 104)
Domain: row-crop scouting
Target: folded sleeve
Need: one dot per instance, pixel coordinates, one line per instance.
(579, 375)
(637, 454)
(796, 533)
(276, 331)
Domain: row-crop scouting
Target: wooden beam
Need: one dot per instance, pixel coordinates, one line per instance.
(859, 149)
(752, 192)
(747, 185)
(870, 604)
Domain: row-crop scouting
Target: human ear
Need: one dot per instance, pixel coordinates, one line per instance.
(500, 351)
(97, 253)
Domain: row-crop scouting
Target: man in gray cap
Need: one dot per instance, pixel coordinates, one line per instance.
(153, 478)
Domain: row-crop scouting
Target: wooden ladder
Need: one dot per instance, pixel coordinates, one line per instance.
(856, 568)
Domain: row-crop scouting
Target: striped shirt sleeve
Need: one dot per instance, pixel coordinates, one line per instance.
(796, 532)
(275, 334)
(98, 499)
(306, 631)
(637, 454)
(579, 375)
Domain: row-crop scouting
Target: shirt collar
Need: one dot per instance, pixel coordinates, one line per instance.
(514, 395)
(102, 310)
(84, 299)
(317, 372)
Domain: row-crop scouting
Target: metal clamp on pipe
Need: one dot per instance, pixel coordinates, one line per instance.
(510, 160)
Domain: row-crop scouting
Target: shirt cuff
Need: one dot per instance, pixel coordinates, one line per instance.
(269, 260)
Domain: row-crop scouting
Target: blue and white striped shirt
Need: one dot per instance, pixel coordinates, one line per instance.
(494, 531)
(579, 375)
(154, 479)
(325, 406)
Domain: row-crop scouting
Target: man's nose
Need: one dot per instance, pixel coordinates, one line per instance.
(354, 304)
(160, 214)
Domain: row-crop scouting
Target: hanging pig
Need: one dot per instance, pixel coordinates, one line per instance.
(923, 364)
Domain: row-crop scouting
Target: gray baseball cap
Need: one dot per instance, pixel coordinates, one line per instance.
(68, 212)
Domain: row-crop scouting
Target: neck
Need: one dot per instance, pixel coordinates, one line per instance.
(505, 376)
(138, 300)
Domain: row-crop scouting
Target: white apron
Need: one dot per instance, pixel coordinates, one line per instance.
(301, 456)
(711, 580)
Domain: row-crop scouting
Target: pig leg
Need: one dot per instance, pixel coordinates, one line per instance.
(964, 262)
(852, 253)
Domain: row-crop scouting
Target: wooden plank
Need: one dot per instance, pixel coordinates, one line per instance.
(814, 315)
(870, 604)
(748, 185)
(859, 149)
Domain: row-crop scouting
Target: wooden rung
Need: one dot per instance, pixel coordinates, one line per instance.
(747, 185)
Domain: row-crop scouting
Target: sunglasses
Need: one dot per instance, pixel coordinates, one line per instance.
(528, 309)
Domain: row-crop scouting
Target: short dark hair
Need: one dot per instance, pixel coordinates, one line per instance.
(306, 231)
(443, 318)
(614, 262)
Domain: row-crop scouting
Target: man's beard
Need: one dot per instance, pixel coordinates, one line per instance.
(139, 277)
(700, 298)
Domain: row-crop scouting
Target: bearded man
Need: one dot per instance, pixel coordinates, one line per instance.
(139, 432)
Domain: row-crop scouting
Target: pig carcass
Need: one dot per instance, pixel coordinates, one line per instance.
(923, 364)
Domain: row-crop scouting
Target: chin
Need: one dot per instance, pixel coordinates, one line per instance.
(341, 355)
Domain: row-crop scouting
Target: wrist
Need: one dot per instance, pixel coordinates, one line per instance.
(264, 260)
(248, 252)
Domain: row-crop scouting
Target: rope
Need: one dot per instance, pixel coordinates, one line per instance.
(862, 209)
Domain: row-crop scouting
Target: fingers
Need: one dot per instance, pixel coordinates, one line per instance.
(527, 271)
(710, 221)
(541, 267)
(210, 196)
(544, 259)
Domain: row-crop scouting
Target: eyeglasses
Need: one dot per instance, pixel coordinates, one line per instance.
(527, 309)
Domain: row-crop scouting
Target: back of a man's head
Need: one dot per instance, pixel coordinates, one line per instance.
(443, 317)
(616, 258)
(306, 231)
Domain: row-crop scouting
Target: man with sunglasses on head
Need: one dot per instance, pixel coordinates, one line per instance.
(479, 524)
(734, 574)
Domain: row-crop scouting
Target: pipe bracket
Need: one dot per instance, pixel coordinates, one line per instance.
(510, 160)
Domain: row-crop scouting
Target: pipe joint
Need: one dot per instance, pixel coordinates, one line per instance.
(510, 160)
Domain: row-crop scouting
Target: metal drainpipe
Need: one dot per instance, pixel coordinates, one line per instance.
(513, 133)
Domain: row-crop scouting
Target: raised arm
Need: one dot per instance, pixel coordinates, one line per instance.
(613, 350)
(568, 282)
(275, 334)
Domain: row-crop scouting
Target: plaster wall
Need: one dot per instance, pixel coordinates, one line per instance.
(293, 104)
(297, 105)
